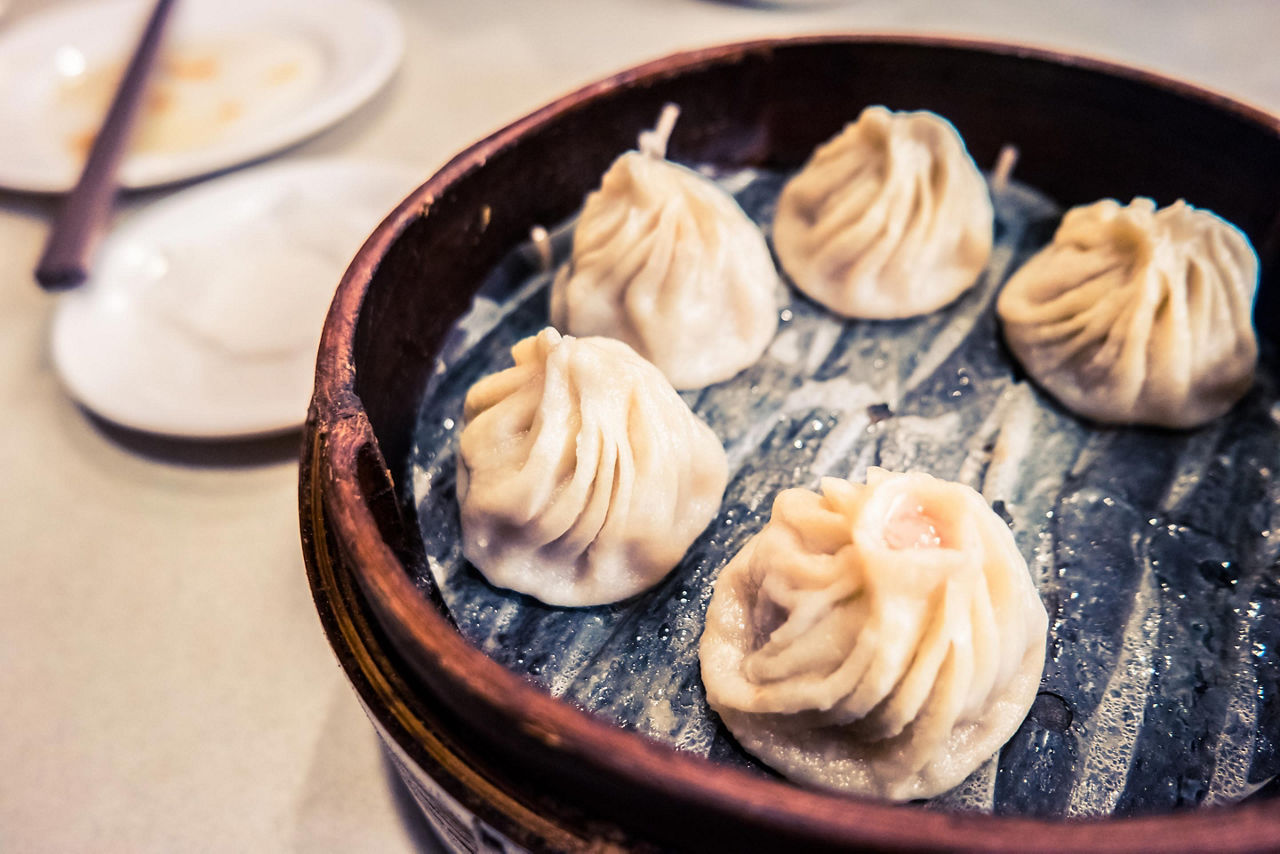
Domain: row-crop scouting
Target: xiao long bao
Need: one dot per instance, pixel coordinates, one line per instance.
(666, 260)
(582, 476)
(1134, 315)
(881, 640)
(889, 219)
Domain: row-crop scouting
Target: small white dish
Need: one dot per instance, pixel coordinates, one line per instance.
(203, 315)
(236, 80)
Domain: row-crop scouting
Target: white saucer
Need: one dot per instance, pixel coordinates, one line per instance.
(237, 80)
(204, 312)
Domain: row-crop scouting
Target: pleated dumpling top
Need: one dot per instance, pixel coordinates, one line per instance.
(881, 639)
(583, 477)
(1134, 315)
(665, 260)
(889, 219)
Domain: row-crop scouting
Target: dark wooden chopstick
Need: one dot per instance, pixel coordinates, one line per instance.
(84, 211)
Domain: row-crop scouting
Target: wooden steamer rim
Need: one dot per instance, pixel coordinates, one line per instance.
(353, 519)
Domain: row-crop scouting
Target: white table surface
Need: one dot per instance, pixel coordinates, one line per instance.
(164, 682)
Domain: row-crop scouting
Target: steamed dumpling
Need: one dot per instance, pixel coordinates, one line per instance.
(1138, 315)
(666, 261)
(889, 219)
(582, 475)
(883, 639)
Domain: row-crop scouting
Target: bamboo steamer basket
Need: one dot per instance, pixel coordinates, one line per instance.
(497, 764)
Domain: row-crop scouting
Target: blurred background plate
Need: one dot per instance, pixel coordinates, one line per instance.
(237, 80)
(204, 312)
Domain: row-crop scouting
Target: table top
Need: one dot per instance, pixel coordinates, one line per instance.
(166, 685)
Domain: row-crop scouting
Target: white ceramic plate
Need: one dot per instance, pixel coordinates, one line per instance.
(203, 316)
(238, 79)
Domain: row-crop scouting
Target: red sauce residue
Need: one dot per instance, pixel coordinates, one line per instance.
(199, 67)
(229, 111)
(159, 100)
(168, 119)
(81, 142)
(283, 73)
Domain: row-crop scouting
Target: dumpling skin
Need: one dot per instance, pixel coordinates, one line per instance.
(888, 219)
(1134, 315)
(582, 476)
(667, 261)
(880, 640)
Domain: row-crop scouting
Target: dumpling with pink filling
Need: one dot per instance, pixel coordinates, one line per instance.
(881, 639)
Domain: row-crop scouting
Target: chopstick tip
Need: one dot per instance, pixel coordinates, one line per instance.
(59, 278)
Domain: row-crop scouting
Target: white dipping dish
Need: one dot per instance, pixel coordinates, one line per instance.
(236, 80)
(203, 314)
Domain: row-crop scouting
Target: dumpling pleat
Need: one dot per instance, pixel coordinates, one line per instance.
(589, 480)
(847, 659)
(889, 219)
(1168, 342)
(666, 261)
